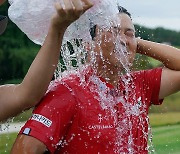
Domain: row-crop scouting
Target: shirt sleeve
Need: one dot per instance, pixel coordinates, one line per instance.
(51, 118)
(153, 81)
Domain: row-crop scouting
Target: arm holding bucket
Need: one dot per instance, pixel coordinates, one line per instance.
(15, 98)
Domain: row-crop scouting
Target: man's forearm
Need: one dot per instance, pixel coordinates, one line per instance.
(27, 94)
(168, 55)
(41, 71)
(23, 144)
(15, 98)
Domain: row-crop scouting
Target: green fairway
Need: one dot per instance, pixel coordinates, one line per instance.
(166, 140)
(6, 142)
(164, 119)
(165, 128)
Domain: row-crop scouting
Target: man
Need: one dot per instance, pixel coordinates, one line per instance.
(15, 98)
(97, 111)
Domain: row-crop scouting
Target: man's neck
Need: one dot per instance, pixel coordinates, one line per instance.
(109, 73)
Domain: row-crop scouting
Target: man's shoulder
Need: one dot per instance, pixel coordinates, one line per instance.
(67, 82)
(148, 72)
(71, 79)
(59, 94)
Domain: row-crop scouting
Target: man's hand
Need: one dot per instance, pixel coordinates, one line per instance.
(69, 12)
(170, 57)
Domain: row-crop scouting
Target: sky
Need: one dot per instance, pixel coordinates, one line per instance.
(154, 13)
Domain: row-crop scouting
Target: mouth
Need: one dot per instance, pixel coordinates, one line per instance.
(3, 23)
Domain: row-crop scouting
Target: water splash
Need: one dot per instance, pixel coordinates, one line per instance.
(34, 21)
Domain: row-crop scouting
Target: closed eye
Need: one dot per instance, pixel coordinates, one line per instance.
(130, 33)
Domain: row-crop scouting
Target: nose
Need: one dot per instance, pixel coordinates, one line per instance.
(123, 40)
(123, 43)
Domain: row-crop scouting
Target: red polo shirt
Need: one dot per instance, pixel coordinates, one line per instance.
(74, 118)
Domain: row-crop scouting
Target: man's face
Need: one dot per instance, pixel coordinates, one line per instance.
(118, 44)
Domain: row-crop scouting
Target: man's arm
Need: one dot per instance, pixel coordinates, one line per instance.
(23, 144)
(15, 98)
(170, 57)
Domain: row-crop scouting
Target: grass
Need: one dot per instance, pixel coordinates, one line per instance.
(23, 116)
(164, 119)
(6, 142)
(170, 104)
(165, 128)
(166, 132)
(166, 139)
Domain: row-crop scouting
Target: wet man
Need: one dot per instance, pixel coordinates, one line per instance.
(16, 98)
(106, 113)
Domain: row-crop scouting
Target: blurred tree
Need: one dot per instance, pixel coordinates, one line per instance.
(159, 34)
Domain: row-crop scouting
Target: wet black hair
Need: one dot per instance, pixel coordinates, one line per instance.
(92, 29)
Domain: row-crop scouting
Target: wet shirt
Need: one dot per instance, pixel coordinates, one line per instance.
(91, 116)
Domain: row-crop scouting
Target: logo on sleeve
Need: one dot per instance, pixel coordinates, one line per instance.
(26, 131)
(45, 121)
